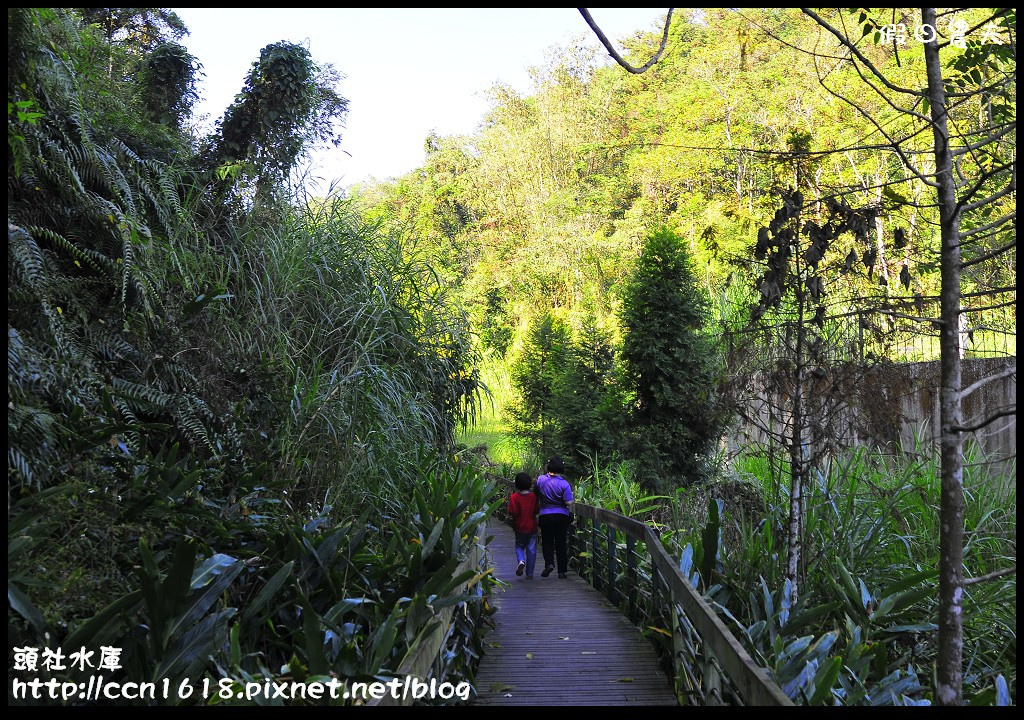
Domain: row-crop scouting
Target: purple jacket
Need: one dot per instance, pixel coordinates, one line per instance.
(554, 494)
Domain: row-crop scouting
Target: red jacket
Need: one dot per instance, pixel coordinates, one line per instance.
(523, 509)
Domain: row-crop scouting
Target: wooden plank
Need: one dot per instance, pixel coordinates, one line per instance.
(560, 642)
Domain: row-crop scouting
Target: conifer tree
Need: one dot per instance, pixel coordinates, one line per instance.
(670, 366)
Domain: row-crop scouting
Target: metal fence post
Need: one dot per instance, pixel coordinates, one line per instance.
(631, 576)
(612, 592)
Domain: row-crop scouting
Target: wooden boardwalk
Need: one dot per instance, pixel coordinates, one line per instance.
(560, 642)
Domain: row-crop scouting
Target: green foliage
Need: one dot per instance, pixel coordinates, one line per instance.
(546, 206)
(866, 617)
(84, 211)
(534, 376)
(587, 412)
(565, 400)
(187, 390)
(669, 366)
(611, 485)
(169, 83)
(310, 600)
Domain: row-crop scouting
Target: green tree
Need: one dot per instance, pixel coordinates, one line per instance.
(670, 366)
(535, 375)
(586, 409)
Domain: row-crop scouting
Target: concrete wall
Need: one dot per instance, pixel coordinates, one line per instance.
(886, 407)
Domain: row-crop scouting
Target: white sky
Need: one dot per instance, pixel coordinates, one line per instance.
(407, 71)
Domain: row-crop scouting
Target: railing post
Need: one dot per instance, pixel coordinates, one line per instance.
(656, 615)
(631, 576)
(593, 554)
(591, 524)
(712, 678)
(612, 593)
(677, 638)
(571, 544)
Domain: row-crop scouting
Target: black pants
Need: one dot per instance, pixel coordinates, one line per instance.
(554, 535)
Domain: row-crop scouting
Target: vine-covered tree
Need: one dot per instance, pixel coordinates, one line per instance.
(287, 106)
(169, 84)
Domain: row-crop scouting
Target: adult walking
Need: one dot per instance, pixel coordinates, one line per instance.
(556, 499)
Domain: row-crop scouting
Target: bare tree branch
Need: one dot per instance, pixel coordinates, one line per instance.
(974, 387)
(989, 255)
(1004, 412)
(853, 48)
(894, 144)
(615, 55)
(993, 224)
(990, 576)
(788, 44)
(1008, 303)
(1009, 128)
(1010, 187)
(888, 101)
(985, 177)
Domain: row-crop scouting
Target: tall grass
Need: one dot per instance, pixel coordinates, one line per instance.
(612, 485)
(875, 519)
(350, 355)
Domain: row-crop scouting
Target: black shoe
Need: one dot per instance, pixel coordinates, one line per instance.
(547, 570)
(563, 576)
(521, 569)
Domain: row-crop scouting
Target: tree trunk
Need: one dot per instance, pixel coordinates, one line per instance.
(949, 670)
(797, 463)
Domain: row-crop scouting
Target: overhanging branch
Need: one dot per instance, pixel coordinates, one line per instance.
(973, 387)
(615, 55)
(988, 226)
(860, 56)
(991, 576)
(989, 255)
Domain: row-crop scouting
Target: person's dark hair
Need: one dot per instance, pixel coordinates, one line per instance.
(523, 481)
(555, 465)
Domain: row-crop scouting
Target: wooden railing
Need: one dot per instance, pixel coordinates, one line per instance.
(425, 658)
(624, 558)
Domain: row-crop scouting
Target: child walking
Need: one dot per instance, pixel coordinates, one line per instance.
(523, 508)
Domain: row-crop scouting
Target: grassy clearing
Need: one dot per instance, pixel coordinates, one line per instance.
(490, 428)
